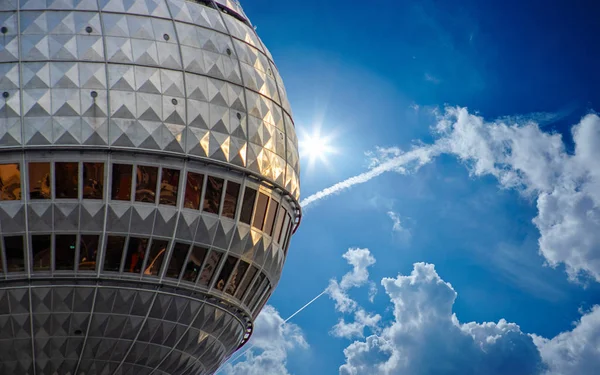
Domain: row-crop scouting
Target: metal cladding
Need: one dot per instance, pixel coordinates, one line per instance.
(148, 185)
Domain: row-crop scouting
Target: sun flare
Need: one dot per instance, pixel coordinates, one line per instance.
(316, 146)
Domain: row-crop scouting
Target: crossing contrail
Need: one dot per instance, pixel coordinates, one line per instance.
(233, 359)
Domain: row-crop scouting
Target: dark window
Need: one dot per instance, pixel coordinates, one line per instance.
(226, 272)
(64, 252)
(254, 289)
(39, 181)
(194, 263)
(136, 250)
(212, 197)
(288, 233)
(10, 182)
(13, 248)
(237, 276)
(93, 180)
(193, 190)
(156, 257)
(169, 185)
(271, 215)
(40, 248)
(66, 179)
(121, 182)
(281, 222)
(265, 298)
(259, 294)
(246, 282)
(261, 211)
(145, 190)
(231, 196)
(248, 205)
(114, 252)
(180, 251)
(88, 251)
(211, 265)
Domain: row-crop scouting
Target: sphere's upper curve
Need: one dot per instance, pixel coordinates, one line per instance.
(173, 77)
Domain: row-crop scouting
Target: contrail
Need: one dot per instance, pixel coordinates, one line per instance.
(305, 306)
(419, 156)
(233, 359)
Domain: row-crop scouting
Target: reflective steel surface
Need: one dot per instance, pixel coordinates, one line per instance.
(148, 184)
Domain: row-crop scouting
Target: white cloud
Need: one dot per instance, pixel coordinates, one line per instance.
(521, 156)
(576, 351)
(567, 187)
(431, 78)
(271, 342)
(360, 260)
(362, 320)
(343, 303)
(427, 338)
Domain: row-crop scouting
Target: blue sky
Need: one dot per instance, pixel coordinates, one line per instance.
(380, 75)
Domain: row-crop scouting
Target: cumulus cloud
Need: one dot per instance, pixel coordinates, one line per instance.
(271, 342)
(427, 338)
(576, 351)
(362, 320)
(565, 186)
(360, 260)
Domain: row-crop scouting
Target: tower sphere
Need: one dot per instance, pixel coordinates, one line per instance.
(148, 185)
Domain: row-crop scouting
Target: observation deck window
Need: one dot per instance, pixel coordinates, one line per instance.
(194, 263)
(93, 180)
(64, 252)
(121, 182)
(88, 251)
(114, 253)
(39, 181)
(271, 216)
(212, 197)
(236, 277)
(280, 225)
(177, 260)
(156, 256)
(246, 282)
(15, 255)
(254, 289)
(10, 182)
(146, 178)
(193, 190)
(261, 211)
(136, 250)
(212, 263)
(248, 205)
(226, 272)
(41, 251)
(169, 186)
(232, 193)
(66, 179)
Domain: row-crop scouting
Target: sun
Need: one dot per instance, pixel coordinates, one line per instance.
(315, 146)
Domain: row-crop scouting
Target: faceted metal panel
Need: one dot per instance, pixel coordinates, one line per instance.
(134, 275)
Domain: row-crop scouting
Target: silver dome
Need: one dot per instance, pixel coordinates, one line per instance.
(148, 185)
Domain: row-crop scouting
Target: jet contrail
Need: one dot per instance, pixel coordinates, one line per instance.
(305, 306)
(233, 359)
(420, 156)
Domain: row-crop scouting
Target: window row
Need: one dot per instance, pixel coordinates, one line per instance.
(208, 193)
(142, 256)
